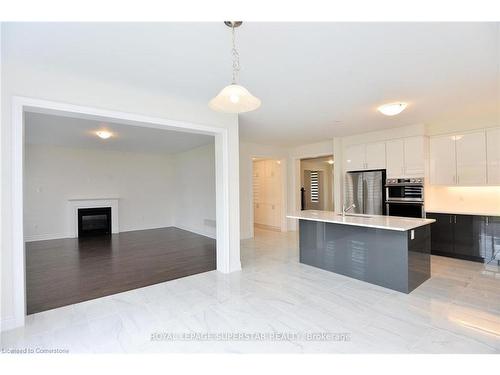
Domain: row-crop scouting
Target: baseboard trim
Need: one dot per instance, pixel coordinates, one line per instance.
(9, 323)
(45, 237)
(196, 230)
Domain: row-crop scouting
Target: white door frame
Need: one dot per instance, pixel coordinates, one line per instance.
(20, 104)
(284, 193)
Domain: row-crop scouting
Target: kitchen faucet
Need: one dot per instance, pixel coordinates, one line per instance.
(344, 209)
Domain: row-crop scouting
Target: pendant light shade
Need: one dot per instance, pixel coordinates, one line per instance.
(234, 99)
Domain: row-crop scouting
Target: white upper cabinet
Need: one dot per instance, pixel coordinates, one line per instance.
(365, 156)
(406, 157)
(414, 156)
(471, 158)
(375, 155)
(355, 157)
(465, 159)
(493, 155)
(442, 160)
(395, 158)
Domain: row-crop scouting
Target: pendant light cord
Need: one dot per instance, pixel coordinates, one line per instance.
(236, 59)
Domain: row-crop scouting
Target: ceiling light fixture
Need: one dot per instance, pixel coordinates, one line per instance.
(392, 109)
(104, 134)
(331, 162)
(234, 98)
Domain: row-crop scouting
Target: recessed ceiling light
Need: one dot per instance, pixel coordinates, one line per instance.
(392, 109)
(104, 134)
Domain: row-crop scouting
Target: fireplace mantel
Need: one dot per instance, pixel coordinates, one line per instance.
(76, 203)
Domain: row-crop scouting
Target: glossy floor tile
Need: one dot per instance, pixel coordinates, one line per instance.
(275, 304)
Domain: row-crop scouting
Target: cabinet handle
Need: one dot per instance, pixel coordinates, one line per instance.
(487, 220)
(450, 219)
(455, 218)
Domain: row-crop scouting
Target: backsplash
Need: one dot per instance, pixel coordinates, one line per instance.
(463, 199)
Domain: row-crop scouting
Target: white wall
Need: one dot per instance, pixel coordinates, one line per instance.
(25, 80)
(142, 182)
(194, 190)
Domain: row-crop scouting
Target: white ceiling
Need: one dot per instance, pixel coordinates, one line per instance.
(316, 80)
(65, 131)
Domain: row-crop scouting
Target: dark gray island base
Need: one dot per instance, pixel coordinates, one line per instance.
(389, 258)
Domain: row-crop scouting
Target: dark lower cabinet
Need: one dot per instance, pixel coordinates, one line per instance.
(468, 237)
(492, 237)
(441, 233)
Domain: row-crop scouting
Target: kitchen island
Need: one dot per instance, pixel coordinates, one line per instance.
(393, 252)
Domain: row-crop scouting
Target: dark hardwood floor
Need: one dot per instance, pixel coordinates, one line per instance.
(70, 270)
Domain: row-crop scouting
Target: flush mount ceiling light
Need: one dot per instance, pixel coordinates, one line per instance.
(331, 162)
(234, 98)
(104, 134)
(392, 109)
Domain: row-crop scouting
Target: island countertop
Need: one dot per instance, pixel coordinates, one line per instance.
(370, 221)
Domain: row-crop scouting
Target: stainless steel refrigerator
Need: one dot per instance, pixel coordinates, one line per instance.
(366, 191)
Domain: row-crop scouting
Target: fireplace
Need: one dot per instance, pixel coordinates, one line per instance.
(94, 221)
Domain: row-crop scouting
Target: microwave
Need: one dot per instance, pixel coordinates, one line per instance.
(404, 189)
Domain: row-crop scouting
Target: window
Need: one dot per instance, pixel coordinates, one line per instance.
(315, 186)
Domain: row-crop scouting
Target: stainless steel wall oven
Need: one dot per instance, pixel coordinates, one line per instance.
(405, 197)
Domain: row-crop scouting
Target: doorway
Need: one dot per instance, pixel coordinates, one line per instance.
(227, 247)
(268, 205)
(317, 183)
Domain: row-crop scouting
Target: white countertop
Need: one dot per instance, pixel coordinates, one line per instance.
(373, 221)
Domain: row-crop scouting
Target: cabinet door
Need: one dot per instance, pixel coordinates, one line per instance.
(394, 151)
(493, 156)
(442, 160)
(471, 158)
(441, 233)
(375, 155)
(414, 156)
(355, 158)
(492, 237)
(467, 235)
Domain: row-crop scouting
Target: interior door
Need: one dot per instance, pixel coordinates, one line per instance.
(353, 191)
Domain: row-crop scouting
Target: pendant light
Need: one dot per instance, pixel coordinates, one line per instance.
(234, 98)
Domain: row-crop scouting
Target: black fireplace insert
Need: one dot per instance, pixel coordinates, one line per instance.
(94, 221)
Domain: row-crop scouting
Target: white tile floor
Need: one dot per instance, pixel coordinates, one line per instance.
(456, 311)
